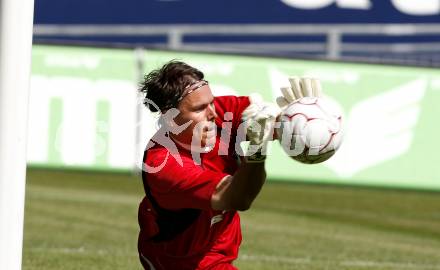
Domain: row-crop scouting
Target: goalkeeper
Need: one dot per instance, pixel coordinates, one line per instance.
(188, 218)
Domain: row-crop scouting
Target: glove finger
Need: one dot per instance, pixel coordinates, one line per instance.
(270, 111)
(287, 93)
(282, 102)
(306, 87)
(255, 98)
(317, 88)
(249, 112)
(296, 87)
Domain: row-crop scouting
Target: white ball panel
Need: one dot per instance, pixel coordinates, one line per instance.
(311, 129)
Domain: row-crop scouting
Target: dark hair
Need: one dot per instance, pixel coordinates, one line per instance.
(164, 86)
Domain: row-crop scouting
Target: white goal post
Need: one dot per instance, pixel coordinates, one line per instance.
(16, 20)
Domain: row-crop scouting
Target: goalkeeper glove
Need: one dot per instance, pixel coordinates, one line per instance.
(259, 118)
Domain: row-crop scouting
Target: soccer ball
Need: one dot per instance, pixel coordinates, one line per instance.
(310, 129)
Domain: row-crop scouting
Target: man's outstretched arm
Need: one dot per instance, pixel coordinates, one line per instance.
(237, 192)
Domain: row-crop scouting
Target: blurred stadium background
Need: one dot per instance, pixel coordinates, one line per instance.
(374, 205)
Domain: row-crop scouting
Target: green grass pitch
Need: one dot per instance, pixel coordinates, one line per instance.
(77, 220)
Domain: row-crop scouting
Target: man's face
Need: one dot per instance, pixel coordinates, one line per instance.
(198, 107)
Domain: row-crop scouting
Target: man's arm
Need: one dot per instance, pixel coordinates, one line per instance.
(237, 192)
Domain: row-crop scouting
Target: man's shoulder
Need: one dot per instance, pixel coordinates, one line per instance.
(160, 156)
(230, 107)
(231, 101)
(155, 150)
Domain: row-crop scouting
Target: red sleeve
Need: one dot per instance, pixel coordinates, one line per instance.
(178, 186)
(233, 104)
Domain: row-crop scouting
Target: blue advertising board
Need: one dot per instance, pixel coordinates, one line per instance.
(233, 11)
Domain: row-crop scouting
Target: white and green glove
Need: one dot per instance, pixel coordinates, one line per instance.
(259, 118)
(299, 88)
